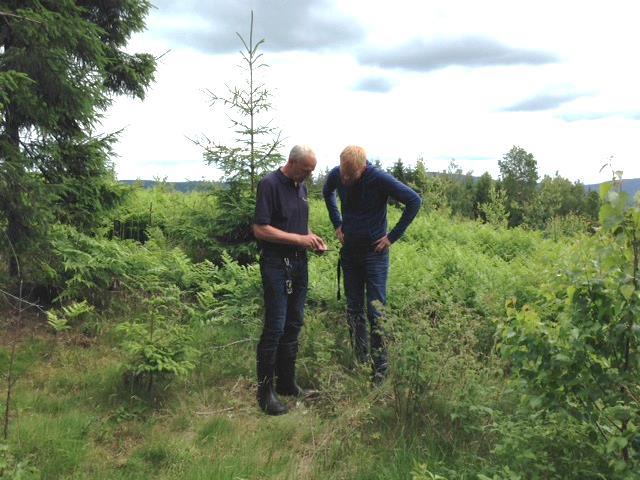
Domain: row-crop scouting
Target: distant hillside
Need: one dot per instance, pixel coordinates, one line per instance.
(629, 185)
(179, 186)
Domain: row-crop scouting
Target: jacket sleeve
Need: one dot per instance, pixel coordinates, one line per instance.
(329, 194)
(411, 201)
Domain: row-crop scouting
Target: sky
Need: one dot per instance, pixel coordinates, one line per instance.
(441, 80)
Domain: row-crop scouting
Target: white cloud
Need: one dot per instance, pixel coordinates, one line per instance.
(442, 114)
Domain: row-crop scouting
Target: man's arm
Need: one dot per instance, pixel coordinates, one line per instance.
(411, 201)
(329, 194)
(272, 234)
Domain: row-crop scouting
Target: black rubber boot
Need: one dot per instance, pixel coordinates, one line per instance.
(379, 354)
(267, 399)
(286, 373)
(359, 336)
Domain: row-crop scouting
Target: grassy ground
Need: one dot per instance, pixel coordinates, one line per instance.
(74, 415)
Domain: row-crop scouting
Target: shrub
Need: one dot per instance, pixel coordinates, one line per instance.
(576, 350)
(156, 343)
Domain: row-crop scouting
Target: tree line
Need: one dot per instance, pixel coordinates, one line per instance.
(518, 197)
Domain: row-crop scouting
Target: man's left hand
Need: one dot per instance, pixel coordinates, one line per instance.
(382, 244)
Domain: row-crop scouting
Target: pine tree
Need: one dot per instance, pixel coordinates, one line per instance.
(420, 176)
(61, 63)
(254, 153)
(399, 171)
(481, 194)
(243, 163)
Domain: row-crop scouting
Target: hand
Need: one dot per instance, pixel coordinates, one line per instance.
(382, 244)
(321, 246)
(340, 234)
(312, 242)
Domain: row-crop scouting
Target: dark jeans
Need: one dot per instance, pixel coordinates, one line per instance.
(365, 274)
(284, 282)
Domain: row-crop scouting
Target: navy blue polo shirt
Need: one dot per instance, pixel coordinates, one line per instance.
(283, 205)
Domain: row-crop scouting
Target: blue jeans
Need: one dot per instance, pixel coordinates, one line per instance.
(284, 283)
(365, 275)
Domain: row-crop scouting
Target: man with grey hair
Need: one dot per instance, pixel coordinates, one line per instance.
(282, 230)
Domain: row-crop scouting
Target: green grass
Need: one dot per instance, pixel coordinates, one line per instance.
(75, 417)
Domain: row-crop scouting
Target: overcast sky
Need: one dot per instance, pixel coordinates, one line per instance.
(438, 79)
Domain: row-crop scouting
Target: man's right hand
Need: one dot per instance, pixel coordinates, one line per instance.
(313, 242)
(340, 234)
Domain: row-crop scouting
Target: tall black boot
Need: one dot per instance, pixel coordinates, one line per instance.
(379, 353)
(267, 398)
(286, 372)
(359, 336)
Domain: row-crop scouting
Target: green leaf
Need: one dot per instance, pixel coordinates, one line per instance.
(616, 444)
(627, 291)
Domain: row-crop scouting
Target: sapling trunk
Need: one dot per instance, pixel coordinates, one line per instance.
(10, 373)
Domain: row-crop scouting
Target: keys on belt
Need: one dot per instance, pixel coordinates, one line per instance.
(288, 283)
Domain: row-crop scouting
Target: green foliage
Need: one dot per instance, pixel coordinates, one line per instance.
(451, 408)
(519, 175)
(494, 209)
(231, 293)
(420, 176)
(156, 343)
(557, 197)
(248, 159)
(567, 226)
(422, 472)
(433, 357)
(481, 194)
(14, 469)
(536, 443)
(96, 269)
(61, 63)
(11, 82)
(449, 191)
(576, 351)
(57, 323)
(68, 315)
(399, 171)
(187, 220)
(232, 225)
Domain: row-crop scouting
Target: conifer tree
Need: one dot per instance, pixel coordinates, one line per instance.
(61, 63)
(255, 151)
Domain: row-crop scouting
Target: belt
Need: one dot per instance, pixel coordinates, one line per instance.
(290, 254)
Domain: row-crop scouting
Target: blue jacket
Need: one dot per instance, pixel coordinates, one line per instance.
(363, 212)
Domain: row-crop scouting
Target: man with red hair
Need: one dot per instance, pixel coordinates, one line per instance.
(361, 228)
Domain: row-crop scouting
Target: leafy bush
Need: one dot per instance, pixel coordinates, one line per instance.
(576, 350)
(433, 358)
(566, 226)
